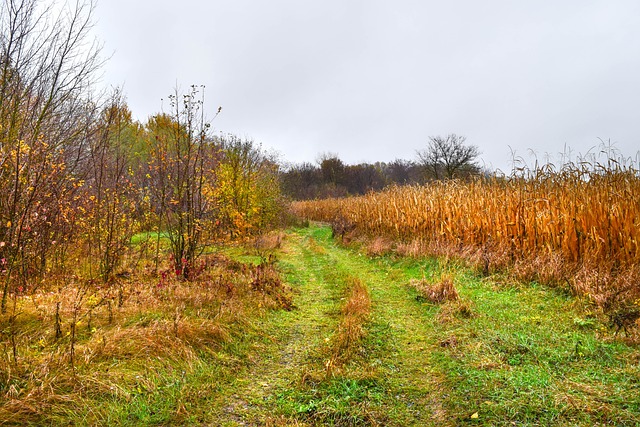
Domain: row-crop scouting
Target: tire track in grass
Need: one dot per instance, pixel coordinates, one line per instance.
(390, 382)
(387, 382)
(290, 338)
(400, 340)
(409, 365)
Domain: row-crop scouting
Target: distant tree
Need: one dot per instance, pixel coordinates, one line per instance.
(330, 177)
(449, 157)
(301, 181)
(362, 178)
(332, 168)
(401, 172)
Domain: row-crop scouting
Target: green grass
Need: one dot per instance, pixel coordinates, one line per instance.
(528, 355)
(523, 354)
(149, 237)
(335, 401)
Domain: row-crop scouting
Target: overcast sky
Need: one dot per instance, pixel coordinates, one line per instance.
(371, 80)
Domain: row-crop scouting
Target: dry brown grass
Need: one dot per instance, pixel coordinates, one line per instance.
(379, 246)
(453, 311)
(437, 293)
(413, 248)
(75, 339)
(266, 281)
(269, 241)
(283, 421)
(355, 313)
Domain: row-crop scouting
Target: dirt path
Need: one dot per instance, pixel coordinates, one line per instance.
(398, 389)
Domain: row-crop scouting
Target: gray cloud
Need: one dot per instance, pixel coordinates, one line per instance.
(372, 80)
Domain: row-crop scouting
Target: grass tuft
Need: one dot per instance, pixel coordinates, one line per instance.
(455, 310)
(379, 246)
(355, 314)
(437, 293)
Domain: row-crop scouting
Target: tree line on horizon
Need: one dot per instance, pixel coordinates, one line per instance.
(447, 157)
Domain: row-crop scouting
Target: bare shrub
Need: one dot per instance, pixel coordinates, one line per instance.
(341, 227)
(436, 293)
(379, 246)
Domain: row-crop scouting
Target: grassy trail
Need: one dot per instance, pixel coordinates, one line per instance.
(502, 355)
(388, 384)
(289, 340)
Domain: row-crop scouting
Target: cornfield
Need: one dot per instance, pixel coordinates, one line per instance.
(588, 220)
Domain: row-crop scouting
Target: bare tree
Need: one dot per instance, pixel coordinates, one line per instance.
(110, 202)
(46, 75)
(183, 169)
(449, 157)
